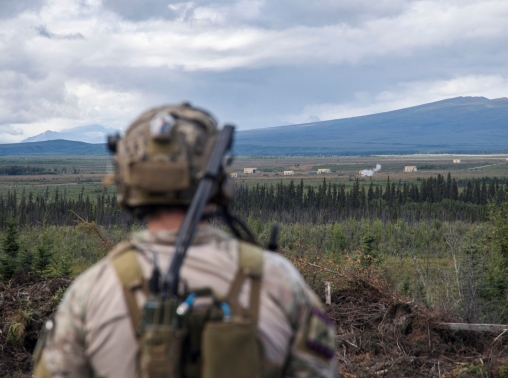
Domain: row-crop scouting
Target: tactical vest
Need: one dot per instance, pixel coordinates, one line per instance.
(177, 339)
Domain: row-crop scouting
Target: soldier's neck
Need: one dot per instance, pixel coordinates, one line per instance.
(165, 221)
(168, 220)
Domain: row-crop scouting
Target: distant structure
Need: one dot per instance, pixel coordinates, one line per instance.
(250, 170)
(410, 168)
(289, 173)
(456, 161)
(234, 174)
(323, 170)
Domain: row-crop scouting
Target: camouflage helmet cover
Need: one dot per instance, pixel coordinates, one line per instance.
(163, 155)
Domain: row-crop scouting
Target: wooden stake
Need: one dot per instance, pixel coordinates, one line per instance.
(328, 293)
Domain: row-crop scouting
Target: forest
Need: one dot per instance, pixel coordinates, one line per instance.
(428, 230)
(438, 242)
(436, 198)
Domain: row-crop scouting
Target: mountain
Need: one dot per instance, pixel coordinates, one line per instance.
(87, 134)
(53, 147)
(457, 125)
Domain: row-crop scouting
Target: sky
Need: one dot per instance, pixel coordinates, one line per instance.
(253, 63)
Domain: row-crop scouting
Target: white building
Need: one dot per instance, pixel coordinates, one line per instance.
(250, 170)
(323, 170)
(289, 173)
(456, 161)
(410, 168)
(234, 174)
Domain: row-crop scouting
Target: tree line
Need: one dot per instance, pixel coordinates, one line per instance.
(16, 170)
(431, 198)
(58, 209)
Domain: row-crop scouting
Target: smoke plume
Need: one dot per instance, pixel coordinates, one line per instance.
(370, 172)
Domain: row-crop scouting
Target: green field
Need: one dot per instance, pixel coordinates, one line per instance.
(73, 173)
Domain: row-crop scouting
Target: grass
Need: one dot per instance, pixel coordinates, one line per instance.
(92, 171)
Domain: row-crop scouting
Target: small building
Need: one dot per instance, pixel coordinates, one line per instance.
(234, 174)
(456, 161)
(323, 170)
(250, 170)
(289, 173)
(410, 168)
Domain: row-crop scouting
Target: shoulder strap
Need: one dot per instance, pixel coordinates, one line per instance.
(250, 264)
(124, 260)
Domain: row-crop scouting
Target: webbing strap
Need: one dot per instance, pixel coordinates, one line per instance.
(250, 266)
(131, 277)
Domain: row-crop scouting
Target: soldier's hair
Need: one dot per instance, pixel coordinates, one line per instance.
(142, 212)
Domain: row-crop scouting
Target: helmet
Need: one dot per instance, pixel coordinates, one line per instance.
(163, 155)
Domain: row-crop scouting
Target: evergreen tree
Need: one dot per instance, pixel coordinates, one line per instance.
(44, 255)
(10, 250)
(369, 255)
(26, 261)
(63, 266)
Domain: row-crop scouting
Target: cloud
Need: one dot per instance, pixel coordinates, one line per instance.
(263, 13)
(202, 37)
(44, 32)
(11, 8)
(409, 94)
(10, 130)
(256, 63)
(27, 99)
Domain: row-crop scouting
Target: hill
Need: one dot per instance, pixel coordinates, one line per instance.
(53, 147)
(87, 134)
(457, 125)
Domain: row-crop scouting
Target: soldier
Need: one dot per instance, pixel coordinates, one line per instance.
(244, 312)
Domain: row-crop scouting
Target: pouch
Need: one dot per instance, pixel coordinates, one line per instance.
(230, 350)
(161, 348)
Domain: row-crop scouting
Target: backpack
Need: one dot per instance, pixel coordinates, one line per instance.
(180, 340)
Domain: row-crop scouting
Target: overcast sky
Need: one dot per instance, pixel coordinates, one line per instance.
(256, 63)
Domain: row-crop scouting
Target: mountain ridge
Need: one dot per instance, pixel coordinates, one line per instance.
(87, 133)
(53, 147)
(459, 125)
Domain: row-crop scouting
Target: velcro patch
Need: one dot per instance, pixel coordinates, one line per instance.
(321, 334)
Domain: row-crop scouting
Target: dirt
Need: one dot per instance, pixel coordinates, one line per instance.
(379, 334)
(26, 302)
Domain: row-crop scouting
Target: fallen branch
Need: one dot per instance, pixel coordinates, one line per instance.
(473, 327)
(324, 269)
(93, 228)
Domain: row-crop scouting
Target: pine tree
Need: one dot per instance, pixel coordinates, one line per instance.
(26, 261)
(369, 255)
(44, 255)
(10, 250)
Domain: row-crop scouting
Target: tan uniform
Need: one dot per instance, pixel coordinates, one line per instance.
(93, 333)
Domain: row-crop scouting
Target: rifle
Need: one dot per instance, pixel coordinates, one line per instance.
(214, 171)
